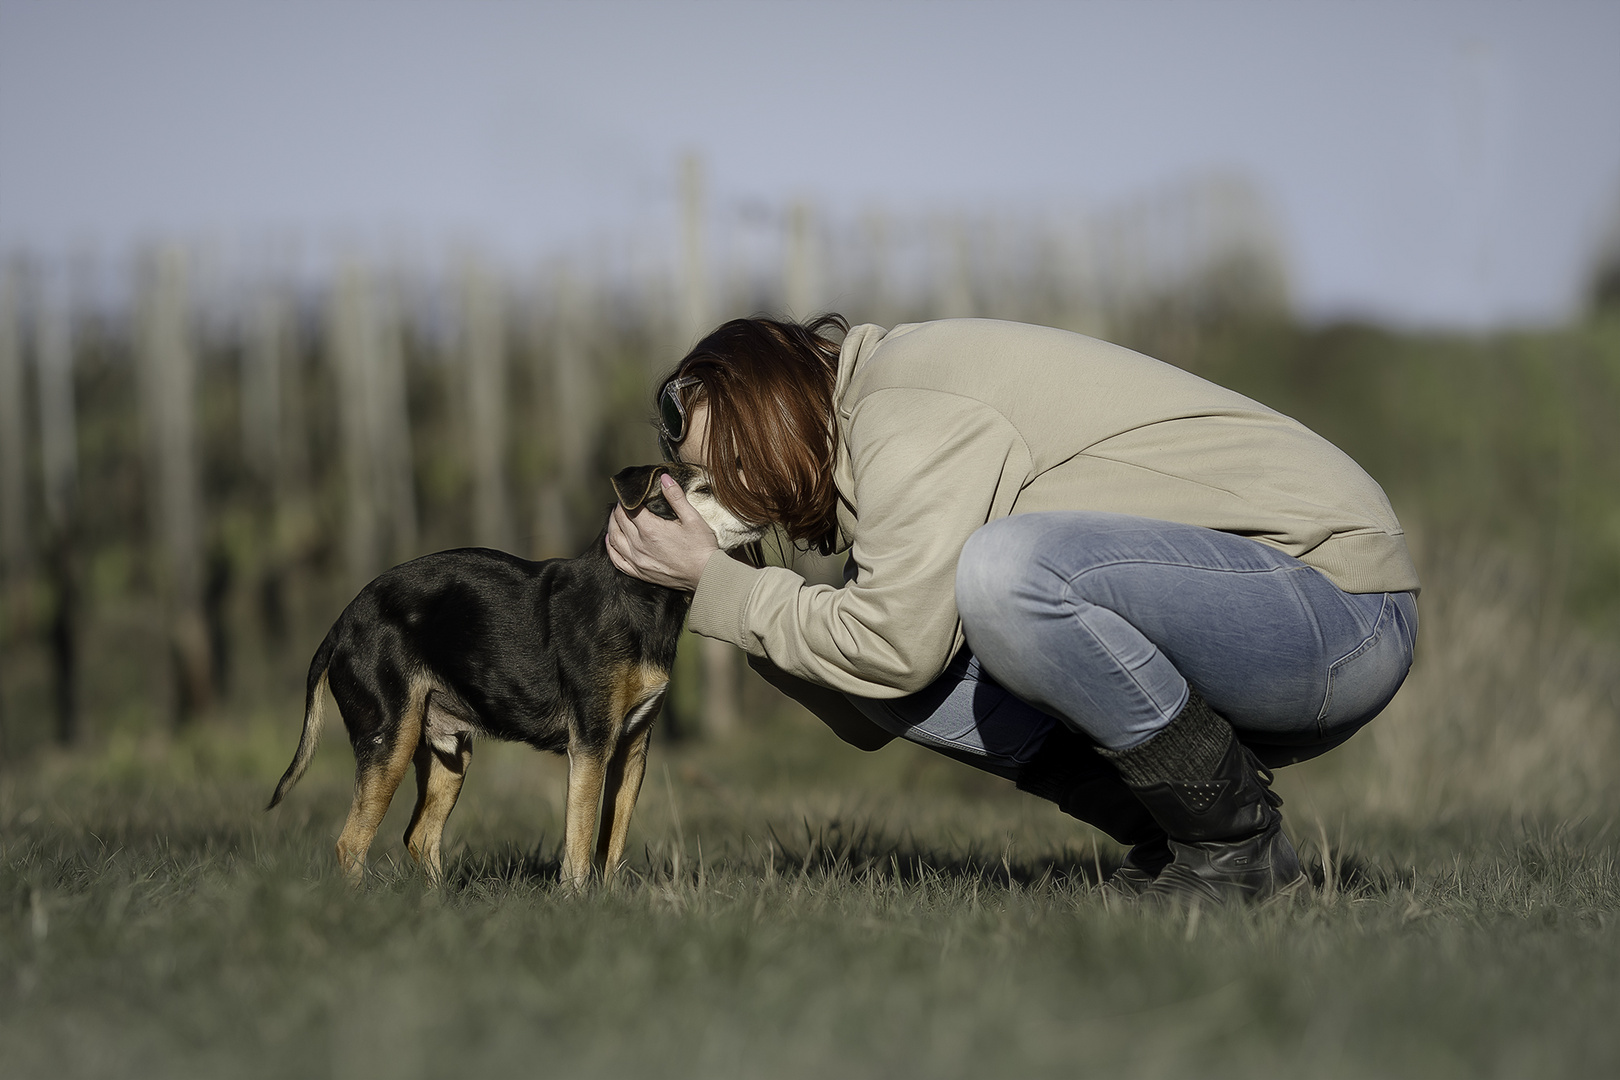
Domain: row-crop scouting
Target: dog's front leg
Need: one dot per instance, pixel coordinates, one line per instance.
(586, 771)
(624, 775)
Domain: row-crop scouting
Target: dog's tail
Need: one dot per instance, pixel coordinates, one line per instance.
(314, 717)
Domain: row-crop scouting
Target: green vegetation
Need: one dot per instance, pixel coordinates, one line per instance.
(792, 909)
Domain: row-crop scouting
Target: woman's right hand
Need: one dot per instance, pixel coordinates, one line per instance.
(668, 553)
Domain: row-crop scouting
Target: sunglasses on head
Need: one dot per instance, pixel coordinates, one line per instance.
(672, 414)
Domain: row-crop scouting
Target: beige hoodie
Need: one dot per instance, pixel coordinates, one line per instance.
(944, 426)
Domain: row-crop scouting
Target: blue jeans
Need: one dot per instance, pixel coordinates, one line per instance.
(1103, 622)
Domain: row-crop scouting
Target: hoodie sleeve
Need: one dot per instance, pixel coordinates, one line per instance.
(930, 467)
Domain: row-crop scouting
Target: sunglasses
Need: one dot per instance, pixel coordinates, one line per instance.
(672, 414)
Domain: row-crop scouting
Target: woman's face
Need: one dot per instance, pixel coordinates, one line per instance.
(692, 449)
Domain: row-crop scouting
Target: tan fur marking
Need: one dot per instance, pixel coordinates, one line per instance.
(623, 785)
(626, 687)
(439, 777)
(652, 678)
(633, 686)
(585, 776)
(607, 788)
(374, 787)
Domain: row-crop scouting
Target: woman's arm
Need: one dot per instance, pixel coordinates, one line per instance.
(929, 468)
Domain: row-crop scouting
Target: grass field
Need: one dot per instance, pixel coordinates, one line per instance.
(156, 923)
(796, 908)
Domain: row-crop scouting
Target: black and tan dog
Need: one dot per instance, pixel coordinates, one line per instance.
(567, 655)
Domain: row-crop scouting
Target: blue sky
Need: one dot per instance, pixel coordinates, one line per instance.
(1432, 163)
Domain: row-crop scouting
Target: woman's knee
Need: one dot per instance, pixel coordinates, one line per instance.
(1020, 557)
(994, 563)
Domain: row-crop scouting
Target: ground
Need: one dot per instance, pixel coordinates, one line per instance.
(792, 908)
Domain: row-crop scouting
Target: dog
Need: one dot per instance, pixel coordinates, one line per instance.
(568, 655)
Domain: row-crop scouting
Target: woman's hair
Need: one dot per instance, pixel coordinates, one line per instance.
(768, 386)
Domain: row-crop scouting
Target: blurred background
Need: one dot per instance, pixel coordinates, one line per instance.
(292, 292)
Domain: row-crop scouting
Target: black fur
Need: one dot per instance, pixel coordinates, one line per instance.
(567, 655)
(523, 645)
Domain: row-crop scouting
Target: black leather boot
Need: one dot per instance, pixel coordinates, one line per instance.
(1068, 770)
(1141, 869)
(1213, 799)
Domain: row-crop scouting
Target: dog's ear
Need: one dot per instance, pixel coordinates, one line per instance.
(634, 484)
(638, 486)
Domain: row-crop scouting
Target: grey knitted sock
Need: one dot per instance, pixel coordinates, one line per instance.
(1187, 750)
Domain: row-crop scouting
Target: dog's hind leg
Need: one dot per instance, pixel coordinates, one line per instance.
(374, 787)
(439, 777)
(380, 766)
(587, 769)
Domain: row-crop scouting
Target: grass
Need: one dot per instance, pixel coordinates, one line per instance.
(876, 915)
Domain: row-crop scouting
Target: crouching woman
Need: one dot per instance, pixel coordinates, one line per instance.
(1125, 588)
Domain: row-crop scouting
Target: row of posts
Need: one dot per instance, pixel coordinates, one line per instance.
(41, 534)
(50, 551)
(364, 329)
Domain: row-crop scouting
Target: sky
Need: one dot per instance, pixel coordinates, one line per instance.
(1430, 163)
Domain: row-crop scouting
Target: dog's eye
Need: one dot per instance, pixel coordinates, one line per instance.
(701, 489)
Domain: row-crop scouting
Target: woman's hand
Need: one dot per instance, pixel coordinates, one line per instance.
(670, 553)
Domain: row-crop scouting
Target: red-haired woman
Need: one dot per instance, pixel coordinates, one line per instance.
(1127, 589)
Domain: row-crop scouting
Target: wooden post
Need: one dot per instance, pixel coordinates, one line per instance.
(15, 545)
(695, 314)
(721, 711)
(259, 389)
(295, 515)
(954, 262)
(263, 357)
(802, 276)
(566, 393)
(15, 564)
(876, 234)
(351, 347)
(167, 370)
(1082, 305)
(364, 343)
(59, 454)
(389, 426)
(59, 467)
(484, 365)
(273, 447)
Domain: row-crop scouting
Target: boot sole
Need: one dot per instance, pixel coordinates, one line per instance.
(1167, 898)
(1286, 892)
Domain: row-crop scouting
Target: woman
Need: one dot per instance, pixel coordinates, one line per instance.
(1126, 588)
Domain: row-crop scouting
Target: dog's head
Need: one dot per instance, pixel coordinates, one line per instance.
(637, 487)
